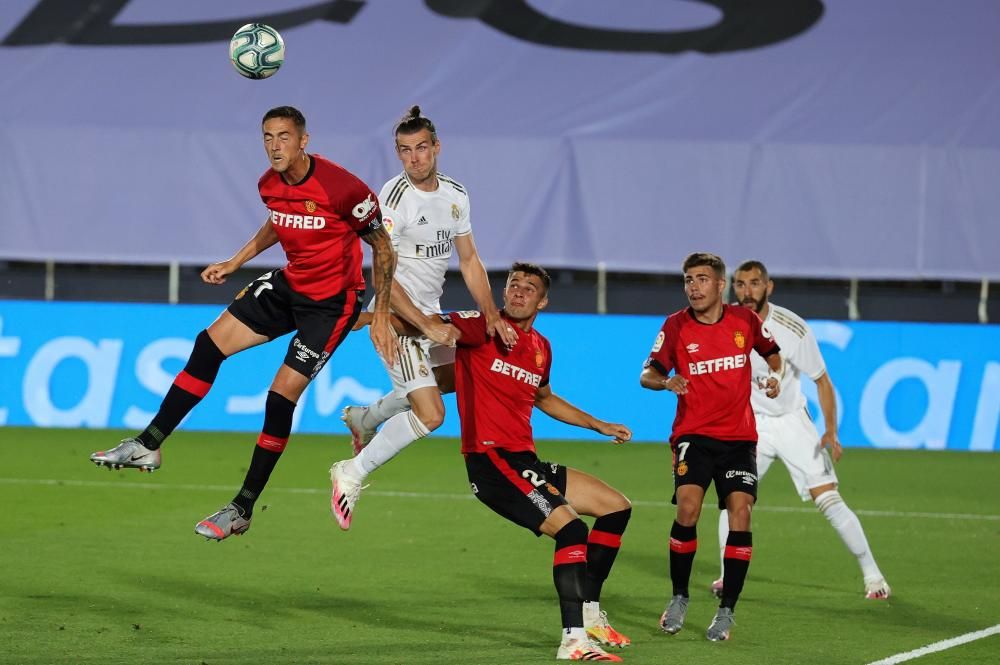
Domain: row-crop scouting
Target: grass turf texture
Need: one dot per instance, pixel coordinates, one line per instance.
(104, 567)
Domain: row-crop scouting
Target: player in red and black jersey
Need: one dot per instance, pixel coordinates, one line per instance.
(319, 212)
(707, 347)
(496, 389)
(497, 386)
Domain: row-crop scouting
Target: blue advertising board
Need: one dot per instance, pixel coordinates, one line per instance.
(899, 385)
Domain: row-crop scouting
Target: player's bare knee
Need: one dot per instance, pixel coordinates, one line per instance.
(688, 512)
(430, 415)
(557, 519)
(618, 502)
(739, 515)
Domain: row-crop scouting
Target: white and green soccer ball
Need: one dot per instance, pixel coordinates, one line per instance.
(257, 50)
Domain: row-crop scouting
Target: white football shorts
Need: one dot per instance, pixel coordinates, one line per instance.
(416, 358)
(793, 439)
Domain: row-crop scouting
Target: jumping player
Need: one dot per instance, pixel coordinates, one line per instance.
(318, 211)
(707, 345)
(427, 214)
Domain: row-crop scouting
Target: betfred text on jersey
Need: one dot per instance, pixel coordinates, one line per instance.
(297, 221)
(515, 372)
(717, 364)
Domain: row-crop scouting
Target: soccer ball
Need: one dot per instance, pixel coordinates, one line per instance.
(257, 50)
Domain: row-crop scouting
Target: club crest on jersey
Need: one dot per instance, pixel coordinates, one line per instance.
(739, 339)
(423, 371)
(682, 469)
(310, 205)
(455, 212)
(242, 293)
(539, 358)
(552, 489)
(388, 224)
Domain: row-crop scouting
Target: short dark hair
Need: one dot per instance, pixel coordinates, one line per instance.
(289, 112)
(751, 265)
(531, 269)
(705, 259)
(413, 122)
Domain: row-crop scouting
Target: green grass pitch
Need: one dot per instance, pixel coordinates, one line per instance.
(104, 567)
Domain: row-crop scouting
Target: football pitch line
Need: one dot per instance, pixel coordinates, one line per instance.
(938, 646)
(441, 496)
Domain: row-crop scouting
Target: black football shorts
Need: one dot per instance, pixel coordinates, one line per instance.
(698, 460)
(517, 485)
(270, 307)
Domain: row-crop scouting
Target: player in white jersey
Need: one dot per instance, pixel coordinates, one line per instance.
(785, 430)
(427, 216)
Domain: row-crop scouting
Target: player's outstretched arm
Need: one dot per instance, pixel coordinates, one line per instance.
(478, 283)
(264, 238)
(555, 406)
(404, 327)
(828, 405)
(383, 268)
(652, 379)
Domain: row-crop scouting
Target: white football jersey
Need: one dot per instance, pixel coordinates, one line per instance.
(423, 226)
(801, 354)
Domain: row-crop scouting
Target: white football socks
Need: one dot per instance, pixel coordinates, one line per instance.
(591, 613)
(848, 526)
(386, 407)
(398, 432)
(723, 537)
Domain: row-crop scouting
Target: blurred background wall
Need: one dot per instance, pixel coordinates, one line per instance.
(852, 146)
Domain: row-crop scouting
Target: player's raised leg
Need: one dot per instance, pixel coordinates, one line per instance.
(222, 339)
(413, 377)
(364, 421)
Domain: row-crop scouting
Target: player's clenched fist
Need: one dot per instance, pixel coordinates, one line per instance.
(216, 273)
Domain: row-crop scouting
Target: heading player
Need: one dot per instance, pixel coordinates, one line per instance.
(318, 211)
(496, 388)
(427, 214)
(707, 345)
(786, 431)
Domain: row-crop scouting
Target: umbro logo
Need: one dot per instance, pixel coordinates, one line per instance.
(692, 348)
(301, 356)
(422, 221)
